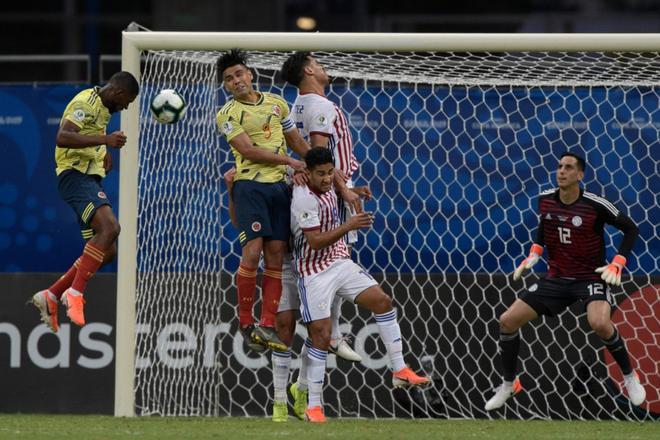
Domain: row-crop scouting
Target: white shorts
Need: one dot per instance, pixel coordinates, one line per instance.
(289, 299)
(343, 278)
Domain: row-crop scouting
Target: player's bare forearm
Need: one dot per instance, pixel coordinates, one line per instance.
(319, 240)
(71, 139)
(296, 142)
(229, 181)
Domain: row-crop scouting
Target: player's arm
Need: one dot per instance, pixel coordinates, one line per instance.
(535, 252)
(229, 181)
(611, 273)
(318, 139)
(296, 142)
(319, 240)
(243, 144)
(68, 136)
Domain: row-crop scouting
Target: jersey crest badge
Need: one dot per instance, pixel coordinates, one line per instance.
(256, 226)
(276, 110)
(577, 221)
(226, 128)
(102, 195)
(78, 115)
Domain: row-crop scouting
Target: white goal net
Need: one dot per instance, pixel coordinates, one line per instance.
(455, 147)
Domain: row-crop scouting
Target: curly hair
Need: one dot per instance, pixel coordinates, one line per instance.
(292, 69)
(231, 58)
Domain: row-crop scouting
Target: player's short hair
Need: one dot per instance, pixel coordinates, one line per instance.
(582, 164)
(292, 69)
(126, 82)
(231, 58)
(318, 156)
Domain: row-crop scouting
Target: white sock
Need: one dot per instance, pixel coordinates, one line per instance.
(390, 334)
(281, 364)
(335, 311)
(304, 364)
(315, 375)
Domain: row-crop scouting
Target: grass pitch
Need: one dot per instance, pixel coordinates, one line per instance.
(19, 426)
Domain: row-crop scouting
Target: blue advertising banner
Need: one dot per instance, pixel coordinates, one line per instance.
(38, 231)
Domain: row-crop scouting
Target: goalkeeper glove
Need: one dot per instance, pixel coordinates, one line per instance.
(533, 258)
(611, 273)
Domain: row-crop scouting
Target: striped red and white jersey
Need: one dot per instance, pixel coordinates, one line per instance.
(316, 114)
(313, 211)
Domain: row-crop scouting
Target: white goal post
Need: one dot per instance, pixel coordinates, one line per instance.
(135, 44)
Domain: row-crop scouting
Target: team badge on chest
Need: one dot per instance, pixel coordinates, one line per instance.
(577, 221)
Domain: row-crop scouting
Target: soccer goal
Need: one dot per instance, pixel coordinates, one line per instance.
(456, 136)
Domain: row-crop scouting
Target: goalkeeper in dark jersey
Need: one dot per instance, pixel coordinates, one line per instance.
(571, 227)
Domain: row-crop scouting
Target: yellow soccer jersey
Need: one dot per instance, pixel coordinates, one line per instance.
(265, 123)
(88, 112)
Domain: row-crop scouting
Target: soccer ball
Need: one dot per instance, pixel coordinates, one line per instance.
(168, 106)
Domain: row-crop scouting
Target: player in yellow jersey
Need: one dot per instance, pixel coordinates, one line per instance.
(258, 129)
(82, 162)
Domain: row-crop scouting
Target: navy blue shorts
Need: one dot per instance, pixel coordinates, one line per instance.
(84, 193)
(551, 296)
(262, 210)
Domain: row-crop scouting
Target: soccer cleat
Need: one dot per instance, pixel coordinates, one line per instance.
(315, 415)
(406, 377)
(343, 350)
(299, 401)
(247, 337)
(502, 394)
(636, 392)
(74, 307)
(267, 337)
(47, 306)
(280, 412)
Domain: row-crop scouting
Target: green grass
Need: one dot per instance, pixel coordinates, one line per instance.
(17, 426)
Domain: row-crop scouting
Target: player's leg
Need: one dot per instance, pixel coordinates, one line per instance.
(339, 343)
(285, 324)
(516, 316)
(319, 333)
(599, 312)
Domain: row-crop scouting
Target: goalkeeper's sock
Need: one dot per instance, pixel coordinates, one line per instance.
(509, 348)
(65, 281)
(281, 364)
(304, 365)
(271, 291)
(89, 262)
(335, 311)
(390, 334)
(618, 351)
(246, 284)
(315, 375)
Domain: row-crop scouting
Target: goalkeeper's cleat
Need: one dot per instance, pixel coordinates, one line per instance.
(267, 337)
(611, 273)
(46, 303)
(247, 337)
(533, 258)
(502, 394)
(74, 303)
(315, 415)
(299, 401)
(280, 412)
(342, 349)
(406, 377)
(636, 392)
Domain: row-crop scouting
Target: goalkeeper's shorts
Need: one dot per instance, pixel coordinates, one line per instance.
(551, 296)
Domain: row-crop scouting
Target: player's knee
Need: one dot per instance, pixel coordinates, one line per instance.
(285, 327)
(383, 304)
(321, 338)
(508, 323)
(601, 326)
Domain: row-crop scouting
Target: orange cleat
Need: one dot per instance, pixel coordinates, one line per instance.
(315, 415)
(74, 307)
(47, 305)
(406, 377)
